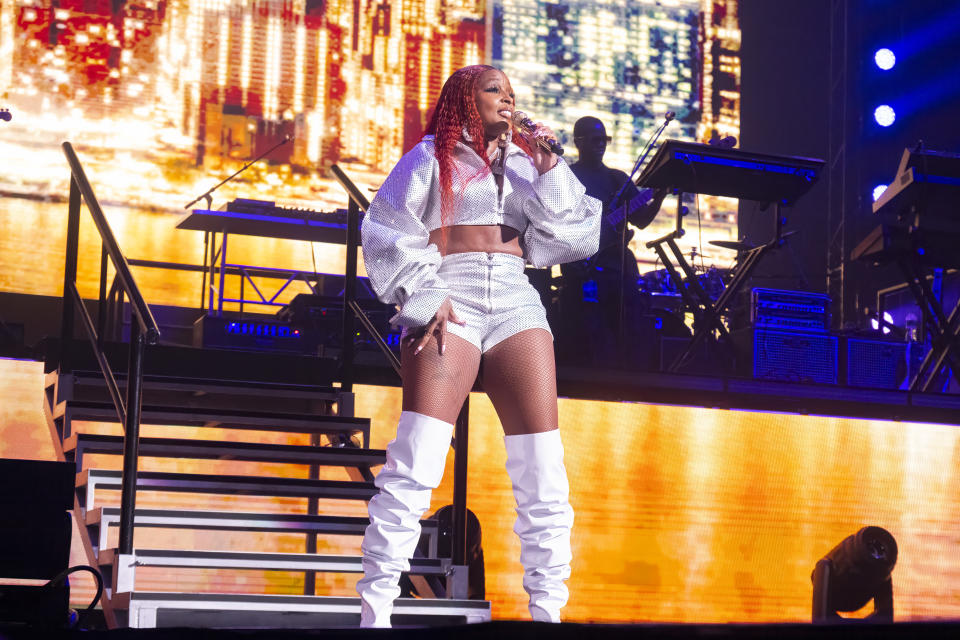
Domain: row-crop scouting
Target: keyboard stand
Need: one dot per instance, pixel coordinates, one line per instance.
(690, 167)
(707, 313)
(944, 330)
(892, 243)
(289, 227)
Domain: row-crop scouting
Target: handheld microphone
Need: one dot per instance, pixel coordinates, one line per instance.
(529, 127)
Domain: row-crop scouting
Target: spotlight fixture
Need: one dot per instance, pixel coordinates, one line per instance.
(437, 586)
(878, 191)
(854, 572)
(885, 59)
(884, 115)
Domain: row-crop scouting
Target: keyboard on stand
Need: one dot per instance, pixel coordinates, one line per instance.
(919, 232)
(268, 208)
(268, 220)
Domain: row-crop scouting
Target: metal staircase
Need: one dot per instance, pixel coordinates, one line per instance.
(72, 401)
(188, 399)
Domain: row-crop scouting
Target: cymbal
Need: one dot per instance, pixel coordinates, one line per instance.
(733, 244)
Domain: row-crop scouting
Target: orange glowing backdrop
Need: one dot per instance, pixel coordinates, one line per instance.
(682, 514)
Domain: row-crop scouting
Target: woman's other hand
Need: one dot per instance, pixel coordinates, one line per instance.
(437, 327)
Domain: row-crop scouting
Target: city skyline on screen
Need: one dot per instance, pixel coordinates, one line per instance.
(164, 97)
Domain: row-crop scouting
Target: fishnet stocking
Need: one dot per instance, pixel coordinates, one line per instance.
(436, 385)
(519, 376)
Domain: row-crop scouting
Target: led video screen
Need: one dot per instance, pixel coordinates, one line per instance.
(164, 98)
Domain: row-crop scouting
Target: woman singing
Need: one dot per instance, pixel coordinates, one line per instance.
(446, 239)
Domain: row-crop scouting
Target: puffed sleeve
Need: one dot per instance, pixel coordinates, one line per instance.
(400, 261)
(564, 222)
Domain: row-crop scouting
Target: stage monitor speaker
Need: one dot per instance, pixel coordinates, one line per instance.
(881, 364)
(35, 539)
(794, 357)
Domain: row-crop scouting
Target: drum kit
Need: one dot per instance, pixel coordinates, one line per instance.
(664, 292)
(661, 299)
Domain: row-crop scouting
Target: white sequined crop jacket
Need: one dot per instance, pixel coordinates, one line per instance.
(557, 221)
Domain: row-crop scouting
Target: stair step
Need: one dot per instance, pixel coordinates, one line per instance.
(200, 385)
(175, 361)
(79, 444)
(217, 417)
(147, 610)
(183, 392)
(124, 573)
(90, 481)
(100, 519)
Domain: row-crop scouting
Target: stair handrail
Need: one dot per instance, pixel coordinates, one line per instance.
(372, 330)
(145, 332)
(357, 203)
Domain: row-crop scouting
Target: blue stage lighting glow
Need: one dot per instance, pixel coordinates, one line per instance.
(878, 191)
(885, 59)
(884, 115)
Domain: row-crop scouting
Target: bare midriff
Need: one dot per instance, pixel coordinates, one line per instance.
(486, 238)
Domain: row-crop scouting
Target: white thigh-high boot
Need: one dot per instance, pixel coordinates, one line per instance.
(544, 519)
(414, 467)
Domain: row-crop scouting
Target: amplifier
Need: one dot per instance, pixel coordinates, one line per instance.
(881, 364)
(253, 333)
(794, 356)
(323, 317)
(782, 310)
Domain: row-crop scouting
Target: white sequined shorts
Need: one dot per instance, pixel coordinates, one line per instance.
(492, 294)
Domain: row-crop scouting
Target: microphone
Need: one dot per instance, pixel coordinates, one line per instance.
(529, 127)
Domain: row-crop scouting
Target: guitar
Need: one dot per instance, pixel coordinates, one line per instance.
(603, 264)
(610, 226)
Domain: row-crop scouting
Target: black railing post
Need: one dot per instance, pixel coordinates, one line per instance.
(102, 310)
(70, 273)
(131, 441)
(118, 316)
(349, 296)
(458, 537)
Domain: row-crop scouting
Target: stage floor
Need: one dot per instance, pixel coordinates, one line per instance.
(532, 631)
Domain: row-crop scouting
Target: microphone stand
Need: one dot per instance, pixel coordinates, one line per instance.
(208, 196)
(670, 115)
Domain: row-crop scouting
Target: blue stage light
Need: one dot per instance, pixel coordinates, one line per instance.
(885, 59)
(884, 115)
(878, 191)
